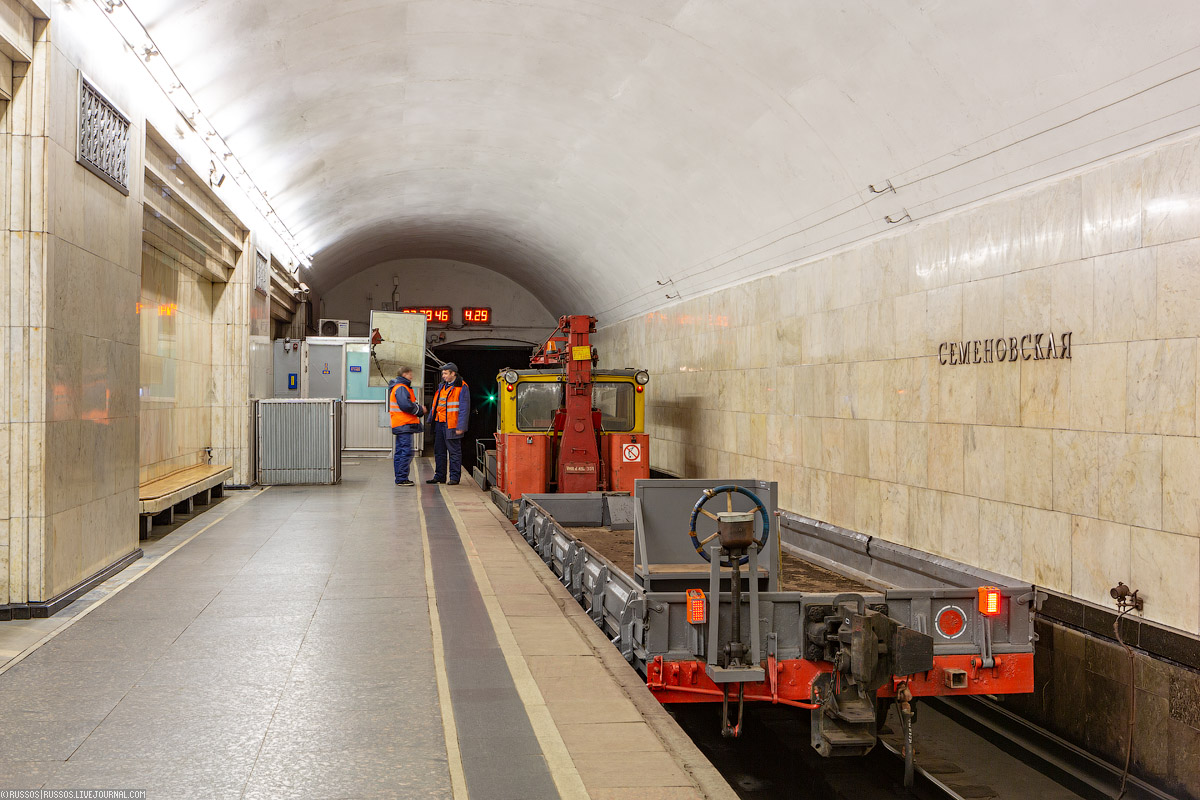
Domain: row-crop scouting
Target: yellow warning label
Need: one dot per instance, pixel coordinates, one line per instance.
(581, 353)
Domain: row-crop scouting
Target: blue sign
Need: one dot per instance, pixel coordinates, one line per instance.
(356, 368)
(293, 380)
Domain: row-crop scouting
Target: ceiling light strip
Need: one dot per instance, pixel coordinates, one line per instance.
(131, 29)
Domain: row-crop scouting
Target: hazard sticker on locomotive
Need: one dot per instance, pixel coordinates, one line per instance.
(631, 453)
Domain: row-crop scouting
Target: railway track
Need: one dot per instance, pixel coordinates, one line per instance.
(773, 759)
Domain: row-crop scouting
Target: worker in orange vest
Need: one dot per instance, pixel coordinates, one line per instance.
(405, 413)
(451, 412)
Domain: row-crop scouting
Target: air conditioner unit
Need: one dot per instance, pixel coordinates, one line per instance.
(334, 327)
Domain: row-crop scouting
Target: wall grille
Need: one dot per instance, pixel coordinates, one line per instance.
(262, 274)
(103, 137)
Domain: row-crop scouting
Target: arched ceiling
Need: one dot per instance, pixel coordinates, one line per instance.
(590, 149)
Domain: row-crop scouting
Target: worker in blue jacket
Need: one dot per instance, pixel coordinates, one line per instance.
(405, 413)
(451, 413)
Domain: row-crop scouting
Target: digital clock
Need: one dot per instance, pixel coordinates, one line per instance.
(476, 316)
(434, 315)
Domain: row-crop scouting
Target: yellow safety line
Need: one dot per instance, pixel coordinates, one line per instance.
(17, 659)
(458, 778)
(558, 759)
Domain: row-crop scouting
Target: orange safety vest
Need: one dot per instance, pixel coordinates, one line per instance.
(445, 405)
(401, 417)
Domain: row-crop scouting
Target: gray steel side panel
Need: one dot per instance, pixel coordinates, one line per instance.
(285, 364)
(322, 357)
(889, 562)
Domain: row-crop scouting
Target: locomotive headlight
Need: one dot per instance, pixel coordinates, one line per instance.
(510, 376)
(642, 377)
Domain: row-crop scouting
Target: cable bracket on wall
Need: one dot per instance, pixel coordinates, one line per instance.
(892, 220)
(887, 187)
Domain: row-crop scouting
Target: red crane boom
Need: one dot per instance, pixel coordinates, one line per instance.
(578, 423)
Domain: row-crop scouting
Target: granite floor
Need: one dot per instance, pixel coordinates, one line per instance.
(287, 651)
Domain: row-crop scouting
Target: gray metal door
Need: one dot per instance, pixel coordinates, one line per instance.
(286, 369)
(325, 370)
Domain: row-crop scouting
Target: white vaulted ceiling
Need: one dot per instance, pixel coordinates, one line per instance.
(591, 148)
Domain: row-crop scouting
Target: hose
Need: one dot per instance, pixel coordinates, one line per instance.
(904, 700)
(1132, 701)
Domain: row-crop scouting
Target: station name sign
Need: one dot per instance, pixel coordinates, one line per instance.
(1030, 347)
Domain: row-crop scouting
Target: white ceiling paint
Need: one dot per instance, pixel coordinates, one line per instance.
(590, 148)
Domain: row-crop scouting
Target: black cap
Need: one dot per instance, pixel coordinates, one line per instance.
(450, 365)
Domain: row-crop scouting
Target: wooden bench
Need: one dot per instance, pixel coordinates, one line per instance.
(162, 497)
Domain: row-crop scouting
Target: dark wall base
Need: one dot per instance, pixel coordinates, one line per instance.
(1081, 693)
(41, 609)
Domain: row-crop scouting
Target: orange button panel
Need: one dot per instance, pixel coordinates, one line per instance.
(697, 607)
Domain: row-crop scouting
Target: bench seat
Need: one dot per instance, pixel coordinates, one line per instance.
(161, 496)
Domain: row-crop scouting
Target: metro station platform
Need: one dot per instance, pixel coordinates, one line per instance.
(354, 641)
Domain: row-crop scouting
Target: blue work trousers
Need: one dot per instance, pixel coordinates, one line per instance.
(444, 446)
(402, 455)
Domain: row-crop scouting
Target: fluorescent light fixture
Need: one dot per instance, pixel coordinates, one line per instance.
(138, 39)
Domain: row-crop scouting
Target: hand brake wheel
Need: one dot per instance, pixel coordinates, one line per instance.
(729, 490)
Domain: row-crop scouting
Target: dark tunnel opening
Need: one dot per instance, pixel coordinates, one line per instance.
(478, 366)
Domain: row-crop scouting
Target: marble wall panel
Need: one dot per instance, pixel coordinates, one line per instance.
(984, 451)
(1027, 466)
(1096, 205)
(1181, 485)
(1130, 479)
(1178, 288)
(1165, 567)
(1045, 394)
(1098, 387)
(1171, 210)
(1076, 472)
(1046, 548)
(893, 511)
(882, 454)
(177, 345)
(1000, 527)
(1099, 557)
(1160, 387)
(960, 527)
(1126, 296)
(946, 458)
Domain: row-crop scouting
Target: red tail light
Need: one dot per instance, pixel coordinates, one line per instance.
(989, 601)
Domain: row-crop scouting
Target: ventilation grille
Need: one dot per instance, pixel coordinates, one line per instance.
(103, 137)
(262, 274)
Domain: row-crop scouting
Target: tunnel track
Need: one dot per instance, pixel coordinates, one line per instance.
(773, 760)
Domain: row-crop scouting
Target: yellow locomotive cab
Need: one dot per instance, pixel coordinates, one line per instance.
(527, 441)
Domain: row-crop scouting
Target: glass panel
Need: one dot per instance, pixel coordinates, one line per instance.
(358, 374)
(616, 404)
(536, 404)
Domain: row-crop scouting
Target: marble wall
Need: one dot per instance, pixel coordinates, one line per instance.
(176, 385)
(235, 303)
(91, 295)
(23, 225)
(1072, 473)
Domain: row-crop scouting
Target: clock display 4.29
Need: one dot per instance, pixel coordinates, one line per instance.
(476, 315)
